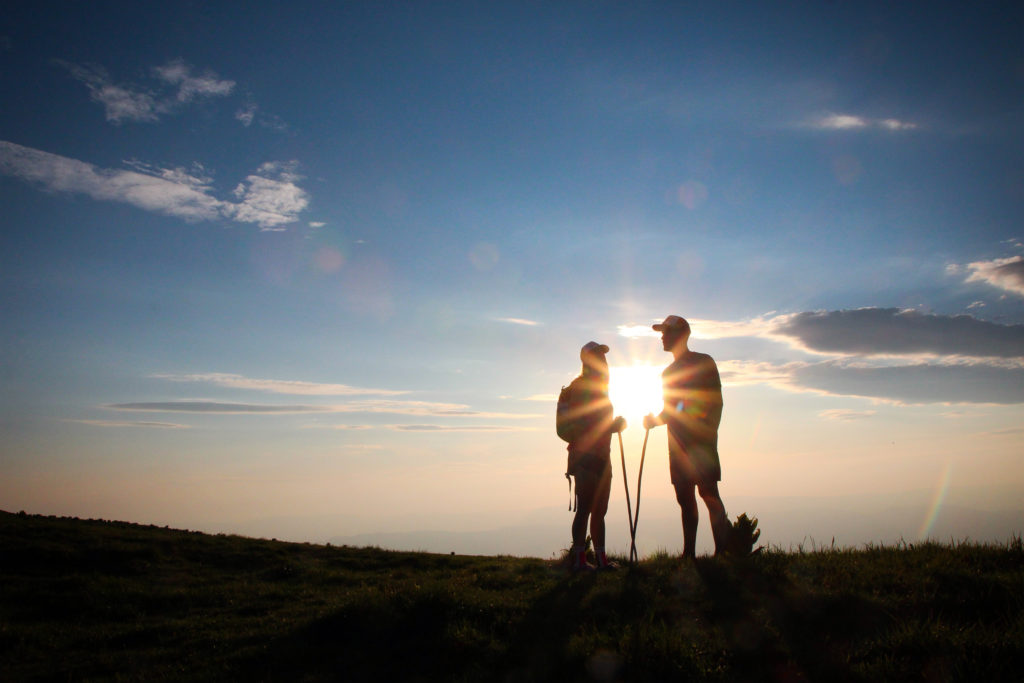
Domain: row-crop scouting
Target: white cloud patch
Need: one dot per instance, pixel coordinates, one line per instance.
(852, 122)
(277, 386)
(270, 197)
(1006, 274)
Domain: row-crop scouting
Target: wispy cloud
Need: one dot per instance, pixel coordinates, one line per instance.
(380, 406)
(174, 86)
(216, 407)
(852, 122)
(518, 321)
(844, 415)
(270, 198)
(277, 386)
(457, 428)
(425, 408)
(246, 113)
(250, 112)
(178, 73)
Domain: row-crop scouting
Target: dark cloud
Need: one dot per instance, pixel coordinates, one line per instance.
(921, 383)
(891, 331)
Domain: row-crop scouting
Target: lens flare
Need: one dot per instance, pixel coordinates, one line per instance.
(635, 390)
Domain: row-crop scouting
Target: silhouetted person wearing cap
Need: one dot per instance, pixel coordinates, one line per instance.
(588, 420)
(693, 410)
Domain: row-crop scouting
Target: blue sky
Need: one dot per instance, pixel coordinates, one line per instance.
(317, 271)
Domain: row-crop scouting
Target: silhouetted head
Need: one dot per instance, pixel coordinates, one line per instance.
(675, 331)
(593, 356)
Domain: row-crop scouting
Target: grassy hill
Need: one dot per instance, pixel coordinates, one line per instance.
(96, 600)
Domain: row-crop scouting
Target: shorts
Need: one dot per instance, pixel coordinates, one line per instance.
(693, 464)
(589, 465)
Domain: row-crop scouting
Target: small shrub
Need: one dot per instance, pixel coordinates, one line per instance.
(742, 537)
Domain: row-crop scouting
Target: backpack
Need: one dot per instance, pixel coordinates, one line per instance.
(565, 425)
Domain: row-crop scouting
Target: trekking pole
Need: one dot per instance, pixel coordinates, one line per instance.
(636, 520)
(625, 483)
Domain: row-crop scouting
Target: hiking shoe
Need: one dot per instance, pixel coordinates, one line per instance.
(585, 568)
(608, 566)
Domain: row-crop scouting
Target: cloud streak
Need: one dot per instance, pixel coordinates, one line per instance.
(277, 386)
(518, 321)
(216, 407)
(381, 406)
(853, 122)
(270, 198)
(118, 424)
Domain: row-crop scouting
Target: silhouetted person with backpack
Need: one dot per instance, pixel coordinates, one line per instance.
(585, 419)
(692, 392)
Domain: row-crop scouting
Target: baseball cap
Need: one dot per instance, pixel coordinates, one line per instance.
(673, 322)
(593, 347)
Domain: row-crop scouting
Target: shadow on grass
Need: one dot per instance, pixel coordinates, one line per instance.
(436, 634)
(774, 630)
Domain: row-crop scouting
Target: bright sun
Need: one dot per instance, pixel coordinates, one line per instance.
(635, 390)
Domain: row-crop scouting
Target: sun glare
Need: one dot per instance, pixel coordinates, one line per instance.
(635, 390)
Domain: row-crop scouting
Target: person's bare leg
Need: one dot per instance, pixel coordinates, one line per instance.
(598, 512)
(719, 519)
(584, 501)
(687, 500)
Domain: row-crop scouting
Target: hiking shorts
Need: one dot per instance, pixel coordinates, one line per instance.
(589, 465)
(694, 464)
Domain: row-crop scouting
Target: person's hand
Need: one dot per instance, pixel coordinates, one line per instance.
(618, 424)
(650, 421)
